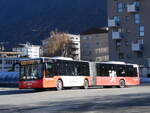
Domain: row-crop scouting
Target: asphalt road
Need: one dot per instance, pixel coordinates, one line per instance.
(108, 100)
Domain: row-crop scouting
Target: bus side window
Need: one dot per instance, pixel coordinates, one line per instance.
(71, 69)
(102, 69)
(112, 70)
(58, 68)
(85, 69)
(76, 68)
(131, 72)
(135, 74)
(49, 70)
(80, 69)
(105, 70)
(121, 71)
(98, 69)
(63, 68)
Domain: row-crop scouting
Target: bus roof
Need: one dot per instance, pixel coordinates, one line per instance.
(61, 58)
(45, 59)
(112, 62)
(117, 62)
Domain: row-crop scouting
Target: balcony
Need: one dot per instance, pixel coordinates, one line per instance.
(132, 8)
(137, 47)
(75, 52)
(112, 23)
(116, 35)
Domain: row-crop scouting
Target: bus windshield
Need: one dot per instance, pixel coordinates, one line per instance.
(31, 72)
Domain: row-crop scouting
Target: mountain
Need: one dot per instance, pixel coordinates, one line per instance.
(32, 20)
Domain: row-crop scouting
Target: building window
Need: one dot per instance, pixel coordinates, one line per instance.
(117, 18)
(87, 38)
(86, 45)
(118, 43)
(137, 18)
(90, 53)
(128, 30)
(121, 55)
(97, 43)
(128, 56)
(136, 3)
(139, 54)
(127, 18)
(90, 38)
(120, 7)
(141, 41)
(84, 38)
(141, 30)
(126, 43)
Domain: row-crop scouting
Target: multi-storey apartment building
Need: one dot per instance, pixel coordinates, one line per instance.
(128, 22)
(94, 45)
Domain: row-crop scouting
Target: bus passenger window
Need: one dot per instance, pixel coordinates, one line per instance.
(121, 70)
(105, 70)
(49, 70)
(131, 71)
(135, 74)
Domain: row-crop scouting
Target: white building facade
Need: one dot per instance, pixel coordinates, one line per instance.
(31, 51)
(76, 43)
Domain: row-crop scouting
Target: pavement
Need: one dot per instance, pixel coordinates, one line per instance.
(134, 99)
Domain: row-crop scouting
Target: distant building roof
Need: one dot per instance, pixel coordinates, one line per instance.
(95, 31)
(25, 45)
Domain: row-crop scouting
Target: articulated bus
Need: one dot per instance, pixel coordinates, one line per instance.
(62, 73)
(116, 74)
(53, 73)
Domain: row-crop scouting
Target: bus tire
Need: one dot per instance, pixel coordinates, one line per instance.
(59, 85)
(86, 84)
(122, 84)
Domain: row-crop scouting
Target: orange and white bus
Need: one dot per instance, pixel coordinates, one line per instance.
(62, 73)
(56, 73)
(115, 74)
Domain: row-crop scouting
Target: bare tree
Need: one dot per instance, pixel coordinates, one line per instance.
(58, 44)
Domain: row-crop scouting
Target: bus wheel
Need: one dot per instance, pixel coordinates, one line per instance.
(122, 84)
(86, 84)
(59, 85)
